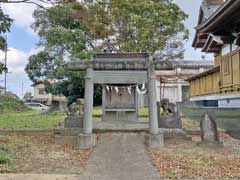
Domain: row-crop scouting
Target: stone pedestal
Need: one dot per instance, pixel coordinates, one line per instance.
(170, 121)
(86, 141)
(73, 122)
(156, 141)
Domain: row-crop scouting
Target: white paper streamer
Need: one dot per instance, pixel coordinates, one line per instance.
(129, 90)
(107, 88)
(142, 91)
(116, 89)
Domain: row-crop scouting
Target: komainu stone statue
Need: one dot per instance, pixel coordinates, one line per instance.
(75, 114)
(76, 108)
(73, 109)
(170, 117)
(168, 108)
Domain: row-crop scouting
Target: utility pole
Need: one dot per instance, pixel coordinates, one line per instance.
(22, 88)
(5, 71)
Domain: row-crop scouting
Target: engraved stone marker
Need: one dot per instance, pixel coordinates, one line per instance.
(209, 131)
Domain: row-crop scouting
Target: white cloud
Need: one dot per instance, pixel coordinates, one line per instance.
(17, 60)
(18, 82)
(21, 13)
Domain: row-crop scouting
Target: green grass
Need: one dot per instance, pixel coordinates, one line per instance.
(171, 175)
(201, 162)
(143, 112)
(218, 112)
(36, 120)
(29, 120)
(190, 124)
(5, 155)
(97, 111)
(10, 104)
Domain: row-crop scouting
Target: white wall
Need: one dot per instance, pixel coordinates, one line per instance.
(229, 103)
(2, 91)
(40, 96)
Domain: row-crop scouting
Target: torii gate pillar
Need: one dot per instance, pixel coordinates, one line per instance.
(87, 139)
(155, 137)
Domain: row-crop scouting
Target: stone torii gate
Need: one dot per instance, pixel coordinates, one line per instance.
(120, 62)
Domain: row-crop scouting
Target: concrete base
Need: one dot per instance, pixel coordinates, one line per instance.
(66, 140)
(120, 116)
(156, 141)
(173, 133)
(68, 131)
(73, 122)
(67, 136)
(86, 141)
(170, 122)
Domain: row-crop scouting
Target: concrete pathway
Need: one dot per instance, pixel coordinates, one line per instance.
(120, 157)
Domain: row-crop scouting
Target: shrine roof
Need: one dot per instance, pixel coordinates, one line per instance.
(133, 61)
(219, 25)
(120, 61)
(193, 64)
(220, 16)
(120, 56)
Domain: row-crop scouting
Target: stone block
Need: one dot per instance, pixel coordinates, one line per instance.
(67, 136)
(86, 141)
(66, 140)
(68, 131)
(73, 122)
(156, 141)
(171, 121)
(120, 116)
(173, 133)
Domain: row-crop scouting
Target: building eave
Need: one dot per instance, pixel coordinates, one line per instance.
(205, 73)
(213, 44)
(219, 16)
(222, 21)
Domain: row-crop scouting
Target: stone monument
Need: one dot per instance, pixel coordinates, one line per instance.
(209, 130)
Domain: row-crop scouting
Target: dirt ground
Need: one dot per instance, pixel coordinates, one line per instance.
(179, 159)
(184, 159)
(39, 154)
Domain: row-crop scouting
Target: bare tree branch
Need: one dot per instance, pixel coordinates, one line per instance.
(30, 2)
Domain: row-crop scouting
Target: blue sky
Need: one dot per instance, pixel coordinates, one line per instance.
(21, 39)
(22, 42)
